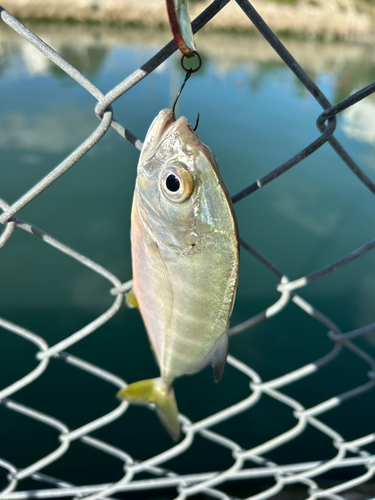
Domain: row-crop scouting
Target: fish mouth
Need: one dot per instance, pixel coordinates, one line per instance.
(164, 124)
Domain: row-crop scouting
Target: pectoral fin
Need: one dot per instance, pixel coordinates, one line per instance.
(155, 391)
(219, 357)
(131, 299)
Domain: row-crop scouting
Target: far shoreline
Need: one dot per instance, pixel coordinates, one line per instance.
(318, 19)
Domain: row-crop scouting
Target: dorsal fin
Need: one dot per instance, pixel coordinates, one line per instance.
(219, 357)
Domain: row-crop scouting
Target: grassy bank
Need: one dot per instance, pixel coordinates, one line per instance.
(329, 19)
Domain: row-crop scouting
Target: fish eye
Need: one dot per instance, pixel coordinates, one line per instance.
(172, 183)
(177, 182)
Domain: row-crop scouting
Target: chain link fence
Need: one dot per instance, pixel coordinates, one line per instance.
(354, 454)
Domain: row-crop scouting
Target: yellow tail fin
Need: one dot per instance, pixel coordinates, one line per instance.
(155, 391)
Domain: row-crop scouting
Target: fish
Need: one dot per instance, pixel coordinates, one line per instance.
(185, 260)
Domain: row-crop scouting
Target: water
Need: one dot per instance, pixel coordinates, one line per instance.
(254, 116)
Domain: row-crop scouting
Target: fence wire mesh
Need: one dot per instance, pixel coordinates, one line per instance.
(351, 453)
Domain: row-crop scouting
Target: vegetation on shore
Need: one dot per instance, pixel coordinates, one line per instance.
(352, 20)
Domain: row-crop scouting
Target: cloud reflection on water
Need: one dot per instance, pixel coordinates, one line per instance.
(358, 121)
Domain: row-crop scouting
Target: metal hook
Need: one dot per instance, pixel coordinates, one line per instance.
(196, 123)
(187, 76)
(195, 54)
(189, 72)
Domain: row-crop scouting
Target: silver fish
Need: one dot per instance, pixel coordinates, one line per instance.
(185, 256)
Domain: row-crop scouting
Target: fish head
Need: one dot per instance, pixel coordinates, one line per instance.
(178, 183)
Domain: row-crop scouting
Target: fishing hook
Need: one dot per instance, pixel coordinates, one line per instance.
(189, 72)
(187, 76)
(196, 123)
(195, 54)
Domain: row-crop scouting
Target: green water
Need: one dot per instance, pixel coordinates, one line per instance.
(254, 116)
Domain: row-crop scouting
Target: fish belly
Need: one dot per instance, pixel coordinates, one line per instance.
(151, 286)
